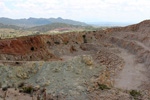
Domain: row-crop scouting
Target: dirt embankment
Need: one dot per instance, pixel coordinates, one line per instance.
(24, 48)
(42, 47)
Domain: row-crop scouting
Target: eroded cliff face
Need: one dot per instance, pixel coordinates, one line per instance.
(42, 47)
(24, 48)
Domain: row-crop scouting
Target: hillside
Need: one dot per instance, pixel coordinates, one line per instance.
(6, 26)
(31, 22)
(111, 64)
(53, 26)
(10, 31)
(66, 21)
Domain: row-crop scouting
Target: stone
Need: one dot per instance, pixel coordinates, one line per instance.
(87, 60)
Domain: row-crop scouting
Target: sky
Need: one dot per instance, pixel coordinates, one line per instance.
(80, 10)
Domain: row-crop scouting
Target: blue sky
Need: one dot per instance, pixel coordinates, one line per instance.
(81, 10)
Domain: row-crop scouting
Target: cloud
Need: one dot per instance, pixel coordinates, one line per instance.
(83, 10)
(3, 8)
(2, 4)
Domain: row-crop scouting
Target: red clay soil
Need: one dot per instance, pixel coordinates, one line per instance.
(24, 48)
(37, 47)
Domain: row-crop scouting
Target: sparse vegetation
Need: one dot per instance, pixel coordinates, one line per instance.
(103, 86)
(1, 96)
(17, 63)
(56, 42)
(4, 89)
(27, 89)
(135, 94)
(60, 27)
(55, 28)
(21, 84)
(32, 48)
(0, 85)
(84, 38)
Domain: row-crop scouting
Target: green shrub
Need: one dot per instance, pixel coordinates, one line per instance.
(103, 86)
(135, 94)
(32, 48)
(27, 89)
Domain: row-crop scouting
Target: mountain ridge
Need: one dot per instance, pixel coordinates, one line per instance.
(31, 22)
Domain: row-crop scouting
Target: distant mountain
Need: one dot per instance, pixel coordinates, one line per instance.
(9, 26)
(66, 21)
(53, 26)
(31, 22)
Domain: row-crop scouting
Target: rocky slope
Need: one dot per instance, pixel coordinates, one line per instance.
(77, 65)
(40, 47)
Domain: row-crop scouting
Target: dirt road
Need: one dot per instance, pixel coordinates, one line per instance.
(132, 75)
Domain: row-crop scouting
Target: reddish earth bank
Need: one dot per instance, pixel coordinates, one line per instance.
(39, 47)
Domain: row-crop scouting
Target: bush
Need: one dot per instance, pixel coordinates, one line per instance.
(103, 86)
(135, 94)
(27, 89)
(21, 84)
(32, 48)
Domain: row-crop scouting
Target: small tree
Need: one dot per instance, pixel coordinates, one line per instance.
(32, 48)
